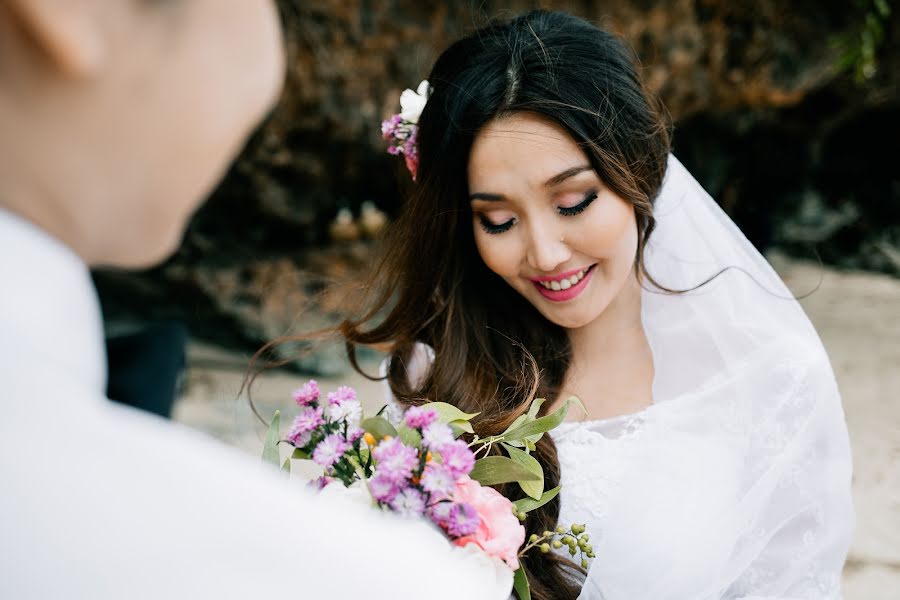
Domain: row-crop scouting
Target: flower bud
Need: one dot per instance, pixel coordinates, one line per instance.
(557, 544)
(533, 538)
(545, 548)
(584, 563)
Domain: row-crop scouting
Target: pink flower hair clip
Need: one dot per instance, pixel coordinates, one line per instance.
(402, 129)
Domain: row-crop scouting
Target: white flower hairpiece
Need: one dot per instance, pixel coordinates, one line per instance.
(412, 102)
(402, 129)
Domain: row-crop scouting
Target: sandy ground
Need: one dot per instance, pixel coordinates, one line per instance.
(857, 316)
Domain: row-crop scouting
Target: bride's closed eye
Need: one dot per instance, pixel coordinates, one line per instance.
(491, 227)
(571, 211)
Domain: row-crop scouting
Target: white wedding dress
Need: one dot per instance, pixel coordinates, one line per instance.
(735, 482)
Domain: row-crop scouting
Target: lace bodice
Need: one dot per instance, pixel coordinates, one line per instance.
(679, 506)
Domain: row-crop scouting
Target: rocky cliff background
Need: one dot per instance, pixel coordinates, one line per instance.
(787, 113)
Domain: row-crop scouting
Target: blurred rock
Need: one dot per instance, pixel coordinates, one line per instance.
(790, 148)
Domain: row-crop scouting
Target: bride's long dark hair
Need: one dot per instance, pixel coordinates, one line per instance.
(487, 339)
(493, 352)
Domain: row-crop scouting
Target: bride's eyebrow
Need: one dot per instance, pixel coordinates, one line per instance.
(560, 177)
(552, 182)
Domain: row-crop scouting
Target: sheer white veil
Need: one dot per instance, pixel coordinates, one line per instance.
(743, 391)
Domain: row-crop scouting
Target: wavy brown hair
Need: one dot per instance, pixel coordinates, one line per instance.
(493, 352)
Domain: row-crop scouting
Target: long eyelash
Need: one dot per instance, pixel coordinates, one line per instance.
(578, 208)
(493, 229)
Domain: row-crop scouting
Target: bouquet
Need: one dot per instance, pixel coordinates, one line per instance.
(419, 466)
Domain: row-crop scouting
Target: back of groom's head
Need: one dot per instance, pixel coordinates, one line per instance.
(119, 116)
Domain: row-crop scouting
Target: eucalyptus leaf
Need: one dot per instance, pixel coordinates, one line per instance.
(519, 421)
(379, 427)
(493, 470)
(270, 447)
(447, 413)
(532, 488)
(529, 504)
(535, 407)
(409, 436)
(544, 424)
(520, 584)
(463, 425)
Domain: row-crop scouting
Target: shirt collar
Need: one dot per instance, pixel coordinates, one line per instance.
(49, 312)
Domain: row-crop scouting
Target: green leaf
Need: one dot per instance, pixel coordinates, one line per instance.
(532, 488)
(535, 407)
(286, 467)
(379, 427)
(462, 425)
(544, 424)
(520, 584)
(447, 413)
(409, 436)
(528, 504)
(519, 421)
(299, 454)
(493, 470)
(273, 435)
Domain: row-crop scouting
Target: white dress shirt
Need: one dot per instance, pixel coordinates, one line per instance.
(102, 501)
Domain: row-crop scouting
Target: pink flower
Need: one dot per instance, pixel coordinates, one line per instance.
(395, 460)
(307, 394)
(438, 481)
(499, 533)
(330, 450)
(420, 417)
(457, 458)
(341, 395)
(436, 436)
(382, 487)
(304, 424)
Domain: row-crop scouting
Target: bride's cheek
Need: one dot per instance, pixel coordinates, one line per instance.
(497, 255)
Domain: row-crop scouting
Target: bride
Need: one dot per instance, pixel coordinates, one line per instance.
(550, 223)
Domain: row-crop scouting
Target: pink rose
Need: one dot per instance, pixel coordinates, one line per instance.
(499, 534)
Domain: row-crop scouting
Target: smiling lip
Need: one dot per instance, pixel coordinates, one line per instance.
(562, 295)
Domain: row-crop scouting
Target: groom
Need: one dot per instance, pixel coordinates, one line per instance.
(116, 118)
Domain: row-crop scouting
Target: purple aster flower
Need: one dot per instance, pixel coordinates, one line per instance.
(330, 450)
(354, 433)
(307, 394)
(408, 503)
(382, 487)
(420, 417)
(395, 459)
(440, 512)
(463, 520)
(341, 395)
(304, 424)
(436, 436)
(319, 483)
(438, 481)
(457, 458)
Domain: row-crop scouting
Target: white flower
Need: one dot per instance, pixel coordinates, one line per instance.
(412, 102)
(349, 410)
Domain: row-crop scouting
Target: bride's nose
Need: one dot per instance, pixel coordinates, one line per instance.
(547, 248)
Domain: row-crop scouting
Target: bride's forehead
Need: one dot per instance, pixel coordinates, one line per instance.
(523, 146)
